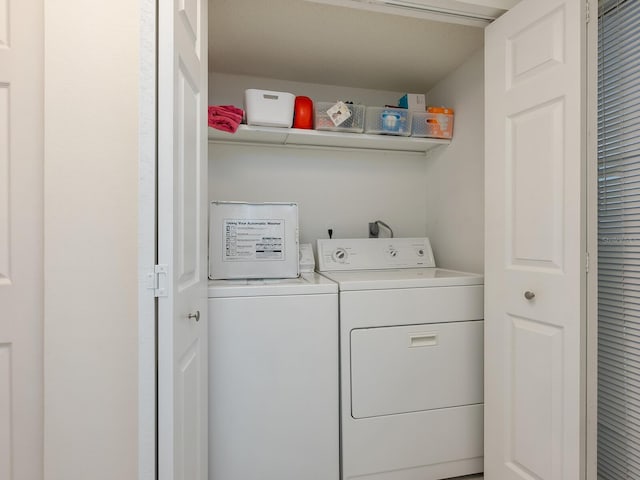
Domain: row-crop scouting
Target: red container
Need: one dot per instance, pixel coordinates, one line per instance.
(303, 113)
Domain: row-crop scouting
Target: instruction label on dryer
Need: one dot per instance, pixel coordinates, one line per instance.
(258, 239)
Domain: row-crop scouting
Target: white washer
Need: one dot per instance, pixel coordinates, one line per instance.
(273, 379)
(411, 350)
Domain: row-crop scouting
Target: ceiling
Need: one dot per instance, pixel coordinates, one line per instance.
(314, 43)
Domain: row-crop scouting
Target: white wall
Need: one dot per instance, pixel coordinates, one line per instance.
(339, 189)
(229, 89)
(455, 175)
(91, 134)
(441, 196)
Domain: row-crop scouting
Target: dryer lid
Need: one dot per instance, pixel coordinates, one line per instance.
(402, 278)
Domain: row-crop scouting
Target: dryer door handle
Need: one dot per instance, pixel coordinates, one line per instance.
(427, 339)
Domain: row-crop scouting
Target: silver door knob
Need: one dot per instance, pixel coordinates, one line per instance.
(529, 295)
(195, 315)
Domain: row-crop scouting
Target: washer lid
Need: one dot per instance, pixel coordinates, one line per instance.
(306, 284)
(402, 278)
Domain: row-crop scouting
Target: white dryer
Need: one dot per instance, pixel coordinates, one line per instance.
(411, 352)
(273, 379)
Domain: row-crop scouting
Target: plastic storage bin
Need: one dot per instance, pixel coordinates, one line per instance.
(436, 122)
(353, 124)
(269, 109)
(388, 121)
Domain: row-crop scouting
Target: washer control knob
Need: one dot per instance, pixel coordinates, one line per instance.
(420, 252)
(393, 252)
(339, 255)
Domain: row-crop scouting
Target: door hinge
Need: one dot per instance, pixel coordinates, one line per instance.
(588, 11)
(586, 262)
(157, 280)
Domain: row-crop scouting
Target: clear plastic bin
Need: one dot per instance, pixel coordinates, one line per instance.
(436, 122)
(388, 121)
(353, 124)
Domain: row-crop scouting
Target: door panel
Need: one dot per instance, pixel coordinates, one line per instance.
(4, 23)
(21, 239)
(189, 384)
(5, 410)
(536, 48)
(535, 243)
(188, 180)
(182, 209)
(534, 186)
(535, 351)
(5, 227)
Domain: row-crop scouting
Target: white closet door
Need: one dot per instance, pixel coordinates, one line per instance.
(21, 239)
(182, 239)
(535, 242)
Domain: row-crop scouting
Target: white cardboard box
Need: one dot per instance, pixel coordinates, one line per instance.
(253, 240)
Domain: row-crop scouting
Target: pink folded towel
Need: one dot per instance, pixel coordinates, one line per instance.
(227, 110)
(223, 123)
(225, 117)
